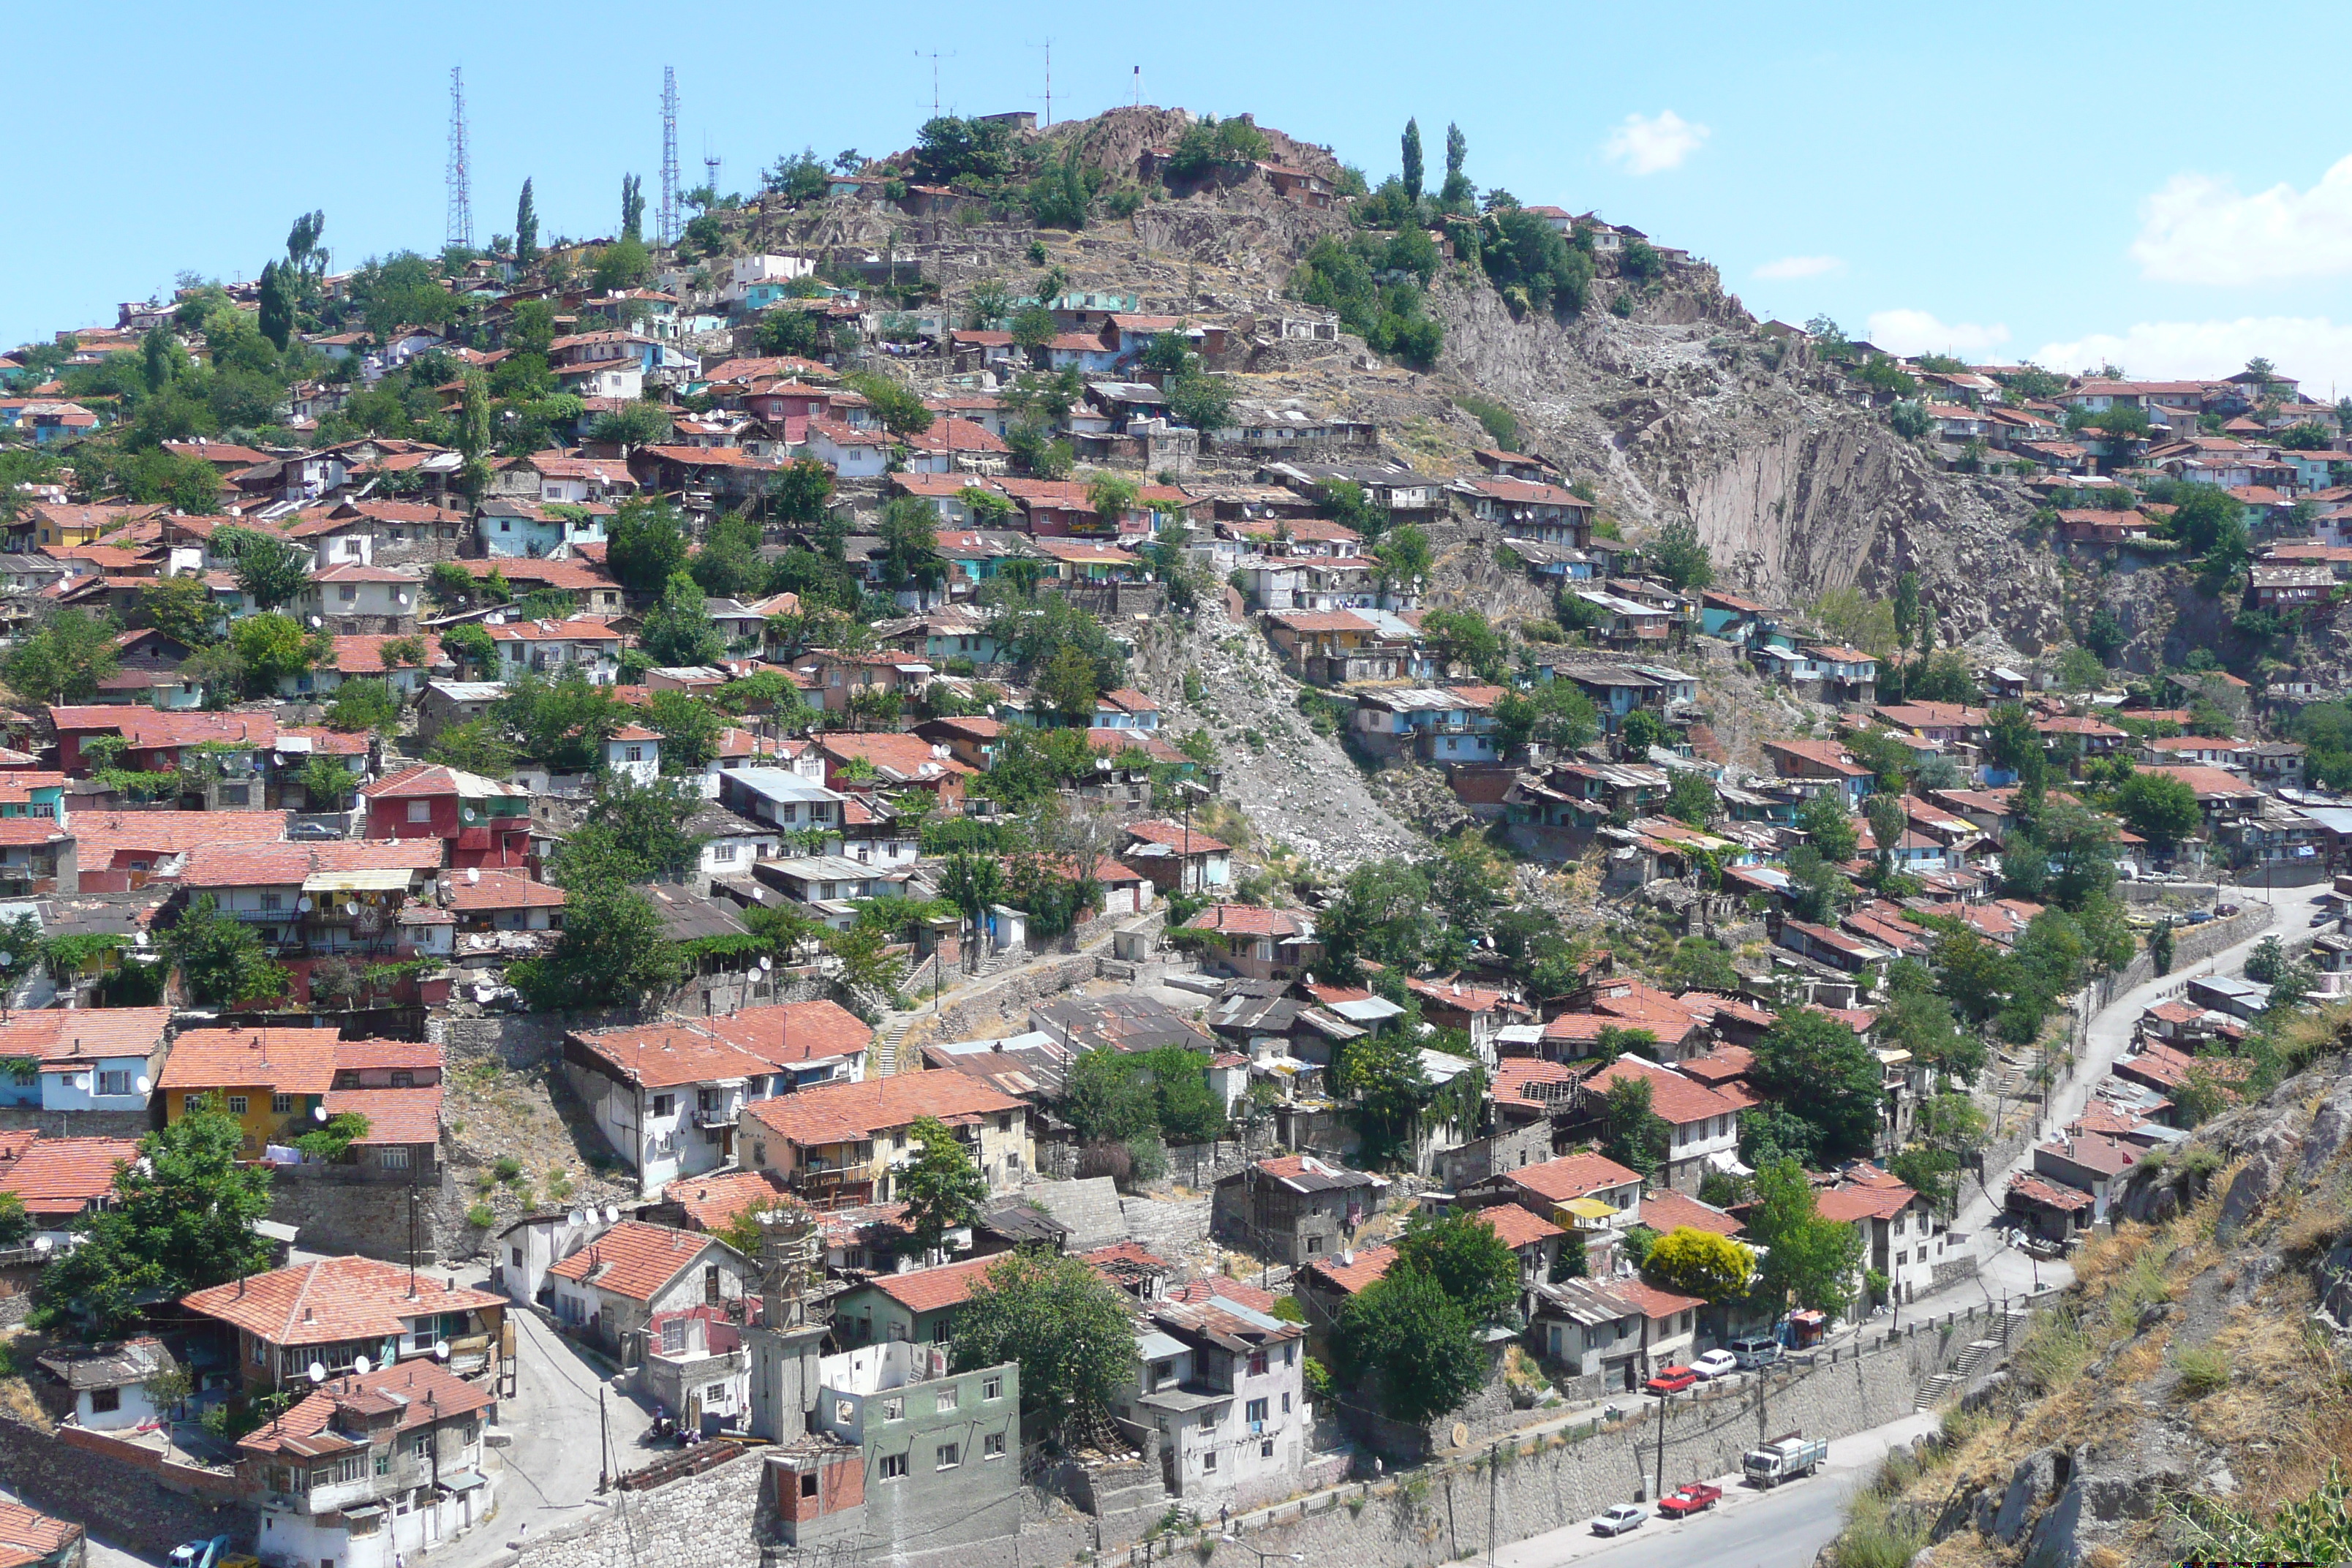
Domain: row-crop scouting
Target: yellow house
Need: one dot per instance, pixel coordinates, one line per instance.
(271, 1080)
(847, 1142)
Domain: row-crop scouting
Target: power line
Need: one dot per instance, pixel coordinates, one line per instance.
(669, 156)
(461, 201)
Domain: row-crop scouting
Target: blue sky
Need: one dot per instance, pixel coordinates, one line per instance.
(2054, 186)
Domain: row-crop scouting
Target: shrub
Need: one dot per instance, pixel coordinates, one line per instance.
(509, 1169)
(481, 1216)
(2203, 1370)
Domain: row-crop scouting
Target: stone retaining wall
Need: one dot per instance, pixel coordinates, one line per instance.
(130, 1499)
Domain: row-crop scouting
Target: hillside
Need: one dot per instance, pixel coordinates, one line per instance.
(2190, 1395)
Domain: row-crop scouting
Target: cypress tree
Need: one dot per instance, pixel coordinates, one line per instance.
(1412, 159)
(526, 229)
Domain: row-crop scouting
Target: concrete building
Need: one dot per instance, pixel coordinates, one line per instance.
(1295, 1208)
(846, 1142)
(108, 1380)
(616, 1285)
(1223, 1384)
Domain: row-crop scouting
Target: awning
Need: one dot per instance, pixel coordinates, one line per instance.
(1725, 1161)
(463, 1480)
(391, 880)
(1589, 1208)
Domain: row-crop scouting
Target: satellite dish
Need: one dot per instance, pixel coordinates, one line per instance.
(303, 903)
(473, 873)
(579, 1217)
(145, 1083)
(469, 813)
(6, 959)
(359, 1364)
(318, 1373)
(440, 1350)
(403, 598)
(42, 1244)
(315, 621)
(139, 939)
(318, 1113)
(611, 1213)
(766, 962)
(351, 906)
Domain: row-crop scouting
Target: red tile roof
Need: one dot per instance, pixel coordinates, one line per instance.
(1665, 1210)
(711, 1201)
(1216, 1286)
(287, 864)
(394, 1115)
(150, 834)
(929, 1290)
(852, 1113)
(60, 1036)
(1681, 1101)
(288, 1061)
(333, 1299)
(503, 891)
(424, 1394)
(660, 1056)
(1248, 920)
(635, 1260)
(1369, 1265)
(57, 1177)
(1517, 1226)
(1573, 1176)
(794, 1032)
(2051, 1194)
(1174, 836)
(1654, 1303)
(1863, 1202)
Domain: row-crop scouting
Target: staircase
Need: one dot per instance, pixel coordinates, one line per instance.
(885, 1047)
(1973, 1355)
(2011, 1321)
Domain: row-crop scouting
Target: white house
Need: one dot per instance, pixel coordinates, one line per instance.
(851, 454)
(1705, 1122)
(337, 592)
(580, 646)
(633, 752)
(528, 1249)
(1223, 1383)
(615, 1286)
(108, 1380)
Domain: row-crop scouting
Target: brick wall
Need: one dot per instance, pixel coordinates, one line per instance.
(136, 1506)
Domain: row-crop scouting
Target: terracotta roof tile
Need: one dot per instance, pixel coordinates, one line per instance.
(394, 1115)
(635, 1260)
(852, 1113)
(929, 1290)
(711, 1201)
(57, 1177)
(1573, 1176)
(288, 1061)
(332, 1300)
(1665, 1210)
(424, 1392)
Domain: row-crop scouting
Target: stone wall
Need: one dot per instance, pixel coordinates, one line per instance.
(1009, 996)
(371, 1218)
(79, 1124)
(520, 1040)
(145, 1507)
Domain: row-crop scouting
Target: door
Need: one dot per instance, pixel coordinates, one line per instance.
(710, 1284)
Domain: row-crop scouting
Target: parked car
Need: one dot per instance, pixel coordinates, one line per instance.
(1617, 1521)
(1755, 1352)
(1672, 1379)
(1714, 1365)
(1696, 1497)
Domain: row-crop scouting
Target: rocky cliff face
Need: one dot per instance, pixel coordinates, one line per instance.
(1685, 410)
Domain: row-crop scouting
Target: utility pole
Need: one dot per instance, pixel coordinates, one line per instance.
(1663, 1401)
(411, 1240)
(669, 156)
(1493, 1480)
(460, 226)
(1048, 47)
(604, 1445)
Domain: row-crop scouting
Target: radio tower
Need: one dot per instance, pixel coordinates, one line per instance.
(669, 155)
(461, 200)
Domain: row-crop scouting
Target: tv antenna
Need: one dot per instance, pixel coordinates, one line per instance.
(935, 77)
(1048, 47)
(669, 156)
(461, 201)
(1139, 86)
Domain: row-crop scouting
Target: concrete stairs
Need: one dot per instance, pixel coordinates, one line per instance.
(887, 1045)
(1973, 1355)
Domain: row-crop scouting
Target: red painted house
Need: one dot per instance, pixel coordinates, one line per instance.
(482, 822)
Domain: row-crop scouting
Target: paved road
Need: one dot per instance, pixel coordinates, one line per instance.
(1784, 1528)
(552, 1465)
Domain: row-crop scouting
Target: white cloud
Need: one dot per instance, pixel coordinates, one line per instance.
(1802, 267)
(2312, 348)
(1643, 145)
(2203, 229)
(1917, 332)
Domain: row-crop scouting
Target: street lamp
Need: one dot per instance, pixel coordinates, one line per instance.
(1262, 1557)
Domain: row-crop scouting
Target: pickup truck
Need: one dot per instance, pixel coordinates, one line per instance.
(1685, 1501)
(1782, 1460)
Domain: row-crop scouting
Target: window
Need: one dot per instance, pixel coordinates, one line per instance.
(893, 1409)
(1004, 1123)
(273, 901)
(102, 1400)
(722, 852)
(1209, 1460)
(114, 1082)
(351, 1467)
(950, 1456)
(517, 1253)
(634, 755)
(236, 1105)
(1208, 1420)
(349, 592)
(947, 1399)
(1290, 1354)
(992, 1446)
(1313, 1244)
(422, 1447)
(281, 1105)
(991, 1388)
(894, 1466)
(808, 1484)
(715, 1394)
(665, 1104)
(401, 1077)
(1254, 1413)
(235, 795)
(420, 811)
(1265, 1449)
(1258, 1363)
(1285, 1403)
(393, 1159)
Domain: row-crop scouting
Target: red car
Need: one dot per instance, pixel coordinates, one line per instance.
(1696, 1498)
(1672, 1380)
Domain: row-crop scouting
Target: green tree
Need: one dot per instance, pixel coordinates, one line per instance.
(1639, 730)
(526, 235)
(1405, 557)
(1110, 1100)
(1809, 1261)
(1556, 713)
(1819, 1070)
(364, 704)
(1824, 820)
(271, 571)
(1888, 821)
(689, 729)
(274, 645)
(909, 558)
(1067, 1330)
(2160, 807)
(1381, 912)
(942, 1190)
(221, 958)
(276, 320)
(613, 952)
(678, 631)
(1679, 557)
(327, 783)
(1412, 143)
(900, 407)
(1468, 1259)
(63, 661)
(1414, 1343)
(1066, 683)
(182, 609)
(647, 545)
(1386, 1089)
(1638, 1138)
(624, 264)
(180, 1219)
(1700, 1263)
(801, 494)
